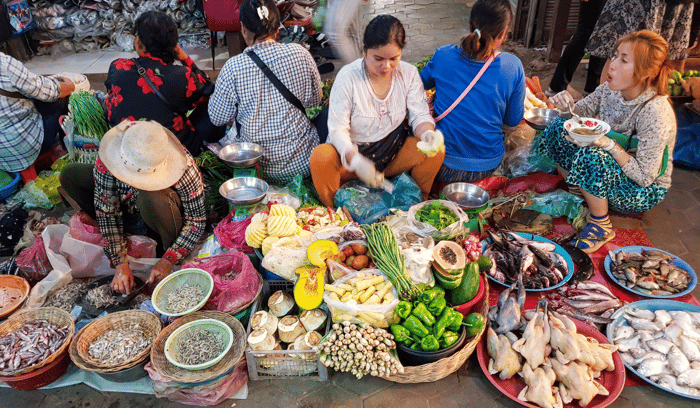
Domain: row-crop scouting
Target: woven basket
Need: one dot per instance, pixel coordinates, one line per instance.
(448, 365)
(173, 373)
(172, 284)
(127, 319)
(52, 315)
(84, 365)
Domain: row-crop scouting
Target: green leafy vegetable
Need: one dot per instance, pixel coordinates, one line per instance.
(88, 114)
(437, 215)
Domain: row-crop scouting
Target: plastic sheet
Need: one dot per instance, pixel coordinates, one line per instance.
(519, 162)
(32, 197)
(367, 202)
(230, 295)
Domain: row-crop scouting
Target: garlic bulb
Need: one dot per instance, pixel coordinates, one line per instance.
(264, 320)
(289, 328)
(280, 303)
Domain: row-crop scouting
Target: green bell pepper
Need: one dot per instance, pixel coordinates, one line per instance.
(456, 322)
(431, 294)
(437, 306)
(442, 323)
(421, 312)
(401, 334)
(415, 346)
(403, 309)
(429, 343)
(448, 338)
(474, 322)
(415, 326)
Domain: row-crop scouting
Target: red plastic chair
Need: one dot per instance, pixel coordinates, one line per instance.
(222, 15)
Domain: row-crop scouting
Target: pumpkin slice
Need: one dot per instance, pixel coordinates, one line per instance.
(320, 250)
(308, 291)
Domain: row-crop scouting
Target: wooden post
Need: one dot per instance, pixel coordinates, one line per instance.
(530, 26)
(555, 43)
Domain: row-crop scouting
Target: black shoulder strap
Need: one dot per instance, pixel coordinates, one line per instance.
(12, 94)
(142, 71)
(288, 95)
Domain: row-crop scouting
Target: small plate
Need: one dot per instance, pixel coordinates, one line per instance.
(613, 381)
(558, 249)
(653, 305)
(638, 249)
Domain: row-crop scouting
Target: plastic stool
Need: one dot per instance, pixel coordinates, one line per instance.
(44, 161)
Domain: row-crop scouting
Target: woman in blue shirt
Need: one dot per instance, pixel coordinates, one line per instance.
(473, 129)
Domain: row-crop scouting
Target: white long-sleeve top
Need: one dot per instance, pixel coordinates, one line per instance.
(357, 115)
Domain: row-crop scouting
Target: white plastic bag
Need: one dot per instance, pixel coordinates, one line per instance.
(376, 315)
(52, 282)
(286, 255)
(452, 230)
(417, 251)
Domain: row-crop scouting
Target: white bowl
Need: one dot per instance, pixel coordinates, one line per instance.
(589, 123)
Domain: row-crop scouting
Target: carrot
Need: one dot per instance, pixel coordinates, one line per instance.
(530, 84)
(538, 86)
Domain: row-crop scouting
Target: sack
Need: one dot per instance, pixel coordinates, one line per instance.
(83, 228)
(230, 295)
(33, 263)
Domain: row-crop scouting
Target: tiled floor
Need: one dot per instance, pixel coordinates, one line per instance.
(674, 225)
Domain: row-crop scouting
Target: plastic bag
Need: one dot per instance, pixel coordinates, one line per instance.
(286, 255)
(519, 162)
(537, 182)
(32, 197)
(556, 204)
(520, 135)
(205, 394)
(452, 230)
(230, 295)
(231, 234)
(210, 247)
(83, 228)
(304, 191)
(33, 262)
(49, 184)
(367, 202)
(52, 282)
(375, 315)
(282, 195)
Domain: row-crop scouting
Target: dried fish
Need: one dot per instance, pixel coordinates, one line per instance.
(101, 296)
(185, 298)
(67, 297)
(199, 346)
(119, 345)
(29, 345)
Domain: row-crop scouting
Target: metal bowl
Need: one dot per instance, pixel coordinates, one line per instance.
(466, 195)
(241, 154)
(244, 190)
(539, 118)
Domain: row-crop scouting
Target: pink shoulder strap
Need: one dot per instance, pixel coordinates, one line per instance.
(469, 87)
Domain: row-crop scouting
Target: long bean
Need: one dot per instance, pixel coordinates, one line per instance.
(386, 254)
(88, 115)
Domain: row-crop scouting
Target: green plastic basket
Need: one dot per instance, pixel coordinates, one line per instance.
(173, 282)
(172, 344)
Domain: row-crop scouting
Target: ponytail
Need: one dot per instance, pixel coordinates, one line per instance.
(660, 82)
(260, 17)
(488, 20)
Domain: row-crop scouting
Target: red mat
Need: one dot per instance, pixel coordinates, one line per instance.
(623, 237)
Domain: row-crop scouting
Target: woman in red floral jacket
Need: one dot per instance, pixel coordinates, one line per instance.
(184, 87)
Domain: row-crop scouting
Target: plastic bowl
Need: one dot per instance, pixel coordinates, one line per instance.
(466, 195)
(173, 282)
(539, 118)
(244, 190)
(589, 123)
(241, 154)
(410, 357)
(10, 189)
(42, 376)
(473, 305)
(172, 344)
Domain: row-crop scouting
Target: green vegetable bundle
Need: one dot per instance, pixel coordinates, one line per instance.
(386, 254)
(437, 215)
(214, 173)
(88, 115)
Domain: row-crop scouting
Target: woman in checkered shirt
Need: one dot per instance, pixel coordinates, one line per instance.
(377, 105)
(247, 99)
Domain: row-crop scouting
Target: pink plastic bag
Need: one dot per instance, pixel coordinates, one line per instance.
(231, 234)
(83, 228)
(230, 295)
(33, 262)
(210, 393)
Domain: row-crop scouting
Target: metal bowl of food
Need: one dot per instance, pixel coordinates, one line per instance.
(539, 118)
(466, 195)
(244, 190)
(241, 154)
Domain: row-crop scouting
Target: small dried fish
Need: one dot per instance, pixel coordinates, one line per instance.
(199, 346)
(67, 297)
(118, 346)
(29, 345)
(185, 298)
(101, 296)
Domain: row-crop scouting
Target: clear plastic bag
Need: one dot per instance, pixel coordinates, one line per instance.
(286, 255)
(452, 230)
(367, 202)
(282, 195)
(375, 315)
(519, 162)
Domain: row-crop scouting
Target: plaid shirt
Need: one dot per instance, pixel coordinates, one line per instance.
(113, 196)
(21, 127)
(245, 95)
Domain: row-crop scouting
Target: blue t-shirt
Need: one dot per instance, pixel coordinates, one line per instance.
(473, 130)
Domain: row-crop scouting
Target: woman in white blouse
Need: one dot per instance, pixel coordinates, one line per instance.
(376, 103)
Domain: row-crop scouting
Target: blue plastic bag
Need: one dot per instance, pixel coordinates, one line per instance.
(366, 202)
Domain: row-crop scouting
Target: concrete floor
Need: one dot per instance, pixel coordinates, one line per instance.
(674, 225)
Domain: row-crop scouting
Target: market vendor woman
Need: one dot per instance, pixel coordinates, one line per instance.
(375, 104)
(633, 102)
(143, 175)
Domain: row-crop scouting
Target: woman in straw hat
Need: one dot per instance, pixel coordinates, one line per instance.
(143, 175)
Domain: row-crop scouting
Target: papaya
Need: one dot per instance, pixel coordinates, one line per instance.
(450, 256)
(468, 287)
(308, 291)
(446, 280)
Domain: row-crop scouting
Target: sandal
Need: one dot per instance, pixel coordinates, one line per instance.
(592, 237)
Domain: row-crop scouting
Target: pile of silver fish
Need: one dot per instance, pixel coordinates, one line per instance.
(649, 273)
(588, 301)
(663, 346)
(185, 298)
(119, 345)
(199, 346)
(29, 345)
(101, 296)
(536, 261)
(67, 296)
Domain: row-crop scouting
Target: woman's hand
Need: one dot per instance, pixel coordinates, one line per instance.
(160, 270)
(365, 170)
(180, 54)
(562, 100)
(123, 281)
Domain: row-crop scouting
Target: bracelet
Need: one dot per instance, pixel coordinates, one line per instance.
(617, 149)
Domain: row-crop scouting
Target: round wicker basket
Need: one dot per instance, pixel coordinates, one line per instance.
(448, 365)
(84, 365)
(127, 319)
(163, 367)
(52, 315)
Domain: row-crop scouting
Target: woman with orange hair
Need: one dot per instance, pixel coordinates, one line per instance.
(634, 102)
